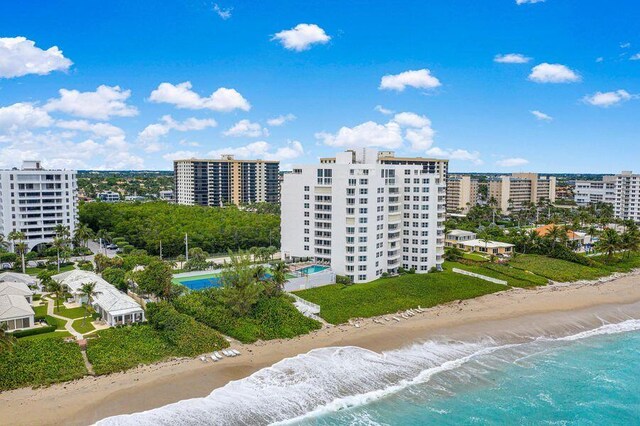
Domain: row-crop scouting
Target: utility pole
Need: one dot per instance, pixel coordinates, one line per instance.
(186, 246)
(160, 249)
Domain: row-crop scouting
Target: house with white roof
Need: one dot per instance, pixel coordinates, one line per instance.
(16, 312)
(17, 277)
(114, 306)
(468, 241)
(8, 288)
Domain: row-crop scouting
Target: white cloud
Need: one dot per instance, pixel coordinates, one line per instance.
(102, 104)
(367, 134)
(222, 13)
(417, 133)
(21, 116)
(262, 150)
(635, 57)
(625, 45)
(180, 155)
(301, 37)
(383, 110)
(599, 59)
(19, 56)
(280, 120)
(607, 99)
(420, 79)
(182, 96)
(553, 73)
(512, 162)
(151, 134)
(519, 2)
(100, 130)
(185, 142)
(456, 154)
(541, 115)
(511, 58)
(245, 128)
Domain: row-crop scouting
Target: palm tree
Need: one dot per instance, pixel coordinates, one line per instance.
(82, 235)
(556, 234)
(22, 248)
(609, 242)
(4, 243)
(59, 244)
(56, 288)
(6, 339)
(279, 272)
(630, 239)
(15, 236)
(87, 290)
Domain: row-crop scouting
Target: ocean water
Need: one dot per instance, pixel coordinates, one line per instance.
(588, 378)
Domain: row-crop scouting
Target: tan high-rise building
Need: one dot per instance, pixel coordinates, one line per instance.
(462, 193)
(516, 191)
(227, 180)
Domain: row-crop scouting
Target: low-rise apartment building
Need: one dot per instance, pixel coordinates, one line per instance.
(366, 213)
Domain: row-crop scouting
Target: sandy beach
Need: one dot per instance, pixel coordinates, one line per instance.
(562, 308)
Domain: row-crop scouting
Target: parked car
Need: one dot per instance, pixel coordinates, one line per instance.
(112, 247)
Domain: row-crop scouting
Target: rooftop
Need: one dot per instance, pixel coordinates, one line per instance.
(486, 243)
(14, 306)
(14, 288)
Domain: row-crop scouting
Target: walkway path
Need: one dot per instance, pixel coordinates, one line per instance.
(68, 321)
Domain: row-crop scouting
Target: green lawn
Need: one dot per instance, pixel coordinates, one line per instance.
(59, 323)
(500, 272)
(72, 313)
(338, 302)
(475, 257)
(36, 271)
(556, 269)
(83, 329)
(40, 311)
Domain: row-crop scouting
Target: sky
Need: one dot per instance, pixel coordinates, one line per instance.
(495, 86)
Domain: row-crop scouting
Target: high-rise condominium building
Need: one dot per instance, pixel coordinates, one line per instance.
(627, 205)
(227, 180)
(366, 213)
(516, 191)
(462, 193)
(588, 192)
(34, 201)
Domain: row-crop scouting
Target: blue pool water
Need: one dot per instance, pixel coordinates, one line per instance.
(312, 269)
(199, 284)
(589, 378)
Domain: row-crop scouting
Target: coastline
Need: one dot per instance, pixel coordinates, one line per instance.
(559, 308)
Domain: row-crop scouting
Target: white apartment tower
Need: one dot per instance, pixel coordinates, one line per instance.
(366, 213)
(627, 204)
(589, 192)
(34, 201)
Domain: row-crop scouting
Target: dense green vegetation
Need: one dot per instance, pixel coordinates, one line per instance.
(214, 230)
(36, 362)
(388, 295)
(143, 183)
(169, 334)
(515, 279)
(269, 318)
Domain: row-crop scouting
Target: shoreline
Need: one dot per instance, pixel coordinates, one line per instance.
(560, 309)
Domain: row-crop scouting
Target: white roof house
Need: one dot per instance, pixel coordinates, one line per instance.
(16, 289)
(18, 278)
(487, 246)
(114, 306)
(16, 312)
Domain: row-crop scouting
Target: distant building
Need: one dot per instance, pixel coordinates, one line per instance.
(627, 205)
(227, 180)
(133, 198)
(514, 192)
(166, 195)
(34, 201)
(366, 213)
(462, 193)
(588, 192)
(109, 196)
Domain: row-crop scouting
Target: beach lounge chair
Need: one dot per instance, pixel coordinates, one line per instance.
(217, 355)
(396, 318)
(235, 351)
(227, 353)
(213, 358)
(203, 359)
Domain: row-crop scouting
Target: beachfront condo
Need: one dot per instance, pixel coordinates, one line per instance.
(366, 213)
(462, 193)
(34, 200)
(622, 191)
(225, 181)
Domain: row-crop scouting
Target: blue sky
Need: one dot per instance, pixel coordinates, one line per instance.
(565, 100)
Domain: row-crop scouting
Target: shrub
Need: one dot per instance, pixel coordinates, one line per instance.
(34, 331)
(342, 279)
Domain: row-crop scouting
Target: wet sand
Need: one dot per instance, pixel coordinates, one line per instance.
(515, 314)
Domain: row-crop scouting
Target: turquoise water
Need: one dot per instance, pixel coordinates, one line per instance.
(199, 284)
(589, 378)
(312, 269)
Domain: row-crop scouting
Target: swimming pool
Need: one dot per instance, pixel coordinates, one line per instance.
(308, 270)
(199, 282)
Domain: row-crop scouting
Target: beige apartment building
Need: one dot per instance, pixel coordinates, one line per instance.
(514, 192)
(462, 193)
